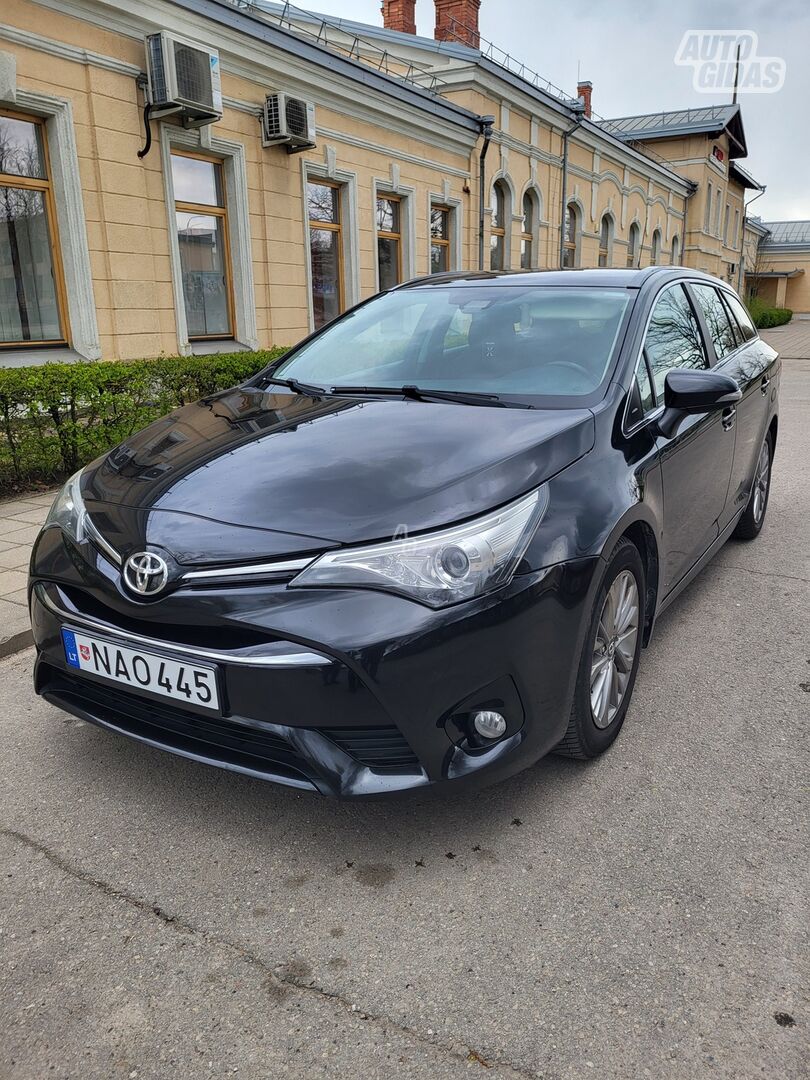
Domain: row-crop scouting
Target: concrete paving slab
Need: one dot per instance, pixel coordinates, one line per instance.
(15, 556)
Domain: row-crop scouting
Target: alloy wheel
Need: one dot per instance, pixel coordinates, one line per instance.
(614, 649)
(761, 481)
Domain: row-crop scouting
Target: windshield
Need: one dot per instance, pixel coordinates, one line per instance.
(521, 340)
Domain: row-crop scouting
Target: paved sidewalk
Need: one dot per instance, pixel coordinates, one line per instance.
(792, 340)
(20, 521)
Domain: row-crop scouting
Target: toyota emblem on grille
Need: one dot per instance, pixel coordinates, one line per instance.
(146, 573)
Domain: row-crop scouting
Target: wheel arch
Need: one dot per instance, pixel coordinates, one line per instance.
(773, 430)
(641, 532)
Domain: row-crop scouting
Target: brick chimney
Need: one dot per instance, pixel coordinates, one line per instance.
(399, 15)
(457, 20)
(584, 91)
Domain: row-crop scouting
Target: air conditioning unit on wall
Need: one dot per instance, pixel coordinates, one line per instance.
(288, 121)
(183, 78)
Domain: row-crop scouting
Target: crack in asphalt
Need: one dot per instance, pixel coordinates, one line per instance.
(762, 573)
(464, 1054)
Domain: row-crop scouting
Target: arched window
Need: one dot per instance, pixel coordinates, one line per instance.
(531, 219)
(571, 236)
(606, 241)
(656, 248)
(633, 245)
(501, 213)
(676, 251)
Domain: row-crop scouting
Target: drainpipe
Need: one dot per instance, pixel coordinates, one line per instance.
(742, 238)
(487, 123)
(577, 106)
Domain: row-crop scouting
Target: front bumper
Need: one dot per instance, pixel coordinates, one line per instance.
(347, 692)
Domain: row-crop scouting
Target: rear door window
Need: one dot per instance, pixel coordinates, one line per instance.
(717, 319)
(741, 315)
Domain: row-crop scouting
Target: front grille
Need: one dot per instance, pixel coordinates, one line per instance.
(207, 736)
(220, 636)
(378, 748)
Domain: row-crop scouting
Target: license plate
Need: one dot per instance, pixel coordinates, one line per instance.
(190, 683)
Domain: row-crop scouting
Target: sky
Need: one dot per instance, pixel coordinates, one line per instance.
(627, 48)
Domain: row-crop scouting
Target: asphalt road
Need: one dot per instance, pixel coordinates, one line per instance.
(642, 915)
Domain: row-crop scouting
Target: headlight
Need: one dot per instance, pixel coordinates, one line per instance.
(68, 510)
(439, 568)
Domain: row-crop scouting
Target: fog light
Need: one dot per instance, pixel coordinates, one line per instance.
(490, 725)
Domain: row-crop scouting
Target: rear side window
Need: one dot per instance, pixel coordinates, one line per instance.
(741, 315)
(673, 337)
(717, 320)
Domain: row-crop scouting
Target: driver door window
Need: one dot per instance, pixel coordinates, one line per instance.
(673, 337)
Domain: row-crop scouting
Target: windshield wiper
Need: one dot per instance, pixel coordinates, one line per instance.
(418, 393)
(298, 387)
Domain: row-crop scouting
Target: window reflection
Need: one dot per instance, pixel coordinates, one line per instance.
(389, 242)
(202, 237)
(325, 254)
(497, 239)
(673, 338)
(439, 239)
(202, 259)
(570, 236)
(29, 291)
(717, 320)
(197, 180)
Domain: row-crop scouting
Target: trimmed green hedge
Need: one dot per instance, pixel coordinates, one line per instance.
(57, 417)
(765, 317)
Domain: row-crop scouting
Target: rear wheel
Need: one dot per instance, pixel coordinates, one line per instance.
(610, 656)
(750, 524)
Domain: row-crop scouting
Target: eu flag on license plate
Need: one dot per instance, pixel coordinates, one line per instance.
(71, 648)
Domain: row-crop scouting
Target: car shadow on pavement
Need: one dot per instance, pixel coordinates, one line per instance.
(185, 795)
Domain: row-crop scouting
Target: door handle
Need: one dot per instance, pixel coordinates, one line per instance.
(729, 418)
(766, 382)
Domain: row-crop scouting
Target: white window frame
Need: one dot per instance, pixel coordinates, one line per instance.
(317, 170)
(234, 172)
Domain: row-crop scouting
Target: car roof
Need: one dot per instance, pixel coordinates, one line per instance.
(606, 277)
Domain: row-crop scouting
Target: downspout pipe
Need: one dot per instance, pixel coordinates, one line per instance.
(742, 238)
(576, 107)
(487, 123)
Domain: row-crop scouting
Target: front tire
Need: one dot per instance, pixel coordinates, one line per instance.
(610, 656)
(750, 524)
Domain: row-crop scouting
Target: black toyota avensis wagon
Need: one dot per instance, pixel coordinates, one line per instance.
(427, 545)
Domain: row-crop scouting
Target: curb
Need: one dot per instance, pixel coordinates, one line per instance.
(16, 643)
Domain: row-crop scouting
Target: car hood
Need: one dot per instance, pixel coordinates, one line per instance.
(250, 474)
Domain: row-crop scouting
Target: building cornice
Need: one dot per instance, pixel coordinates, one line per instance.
(503, 85)
(418, 115)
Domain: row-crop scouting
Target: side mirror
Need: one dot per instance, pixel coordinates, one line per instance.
(689, 392)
